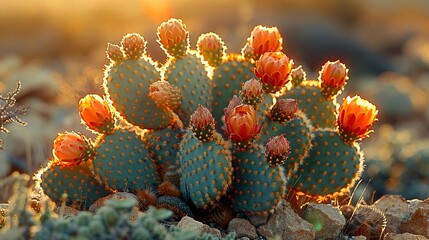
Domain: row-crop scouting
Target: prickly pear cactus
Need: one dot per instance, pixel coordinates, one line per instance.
(184, 68)
(335, 161)
(208, 129)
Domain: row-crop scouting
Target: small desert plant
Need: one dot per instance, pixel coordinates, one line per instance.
(9, 112)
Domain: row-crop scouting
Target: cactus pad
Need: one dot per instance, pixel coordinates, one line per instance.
(127, 85)
(322, 112)
(298, 131)
(206, 169)
(257, 187)
(189, 74)
(123, 163)
(75, 180)
(331, 167)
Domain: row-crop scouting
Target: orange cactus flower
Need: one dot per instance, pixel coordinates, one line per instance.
(242, 125)
(277, 149)
(71, 149)
(333, 77)
(173, 37)
(273, 70)
(262, 40)
(202, 123)
(96, 114)
(356, 117)
(284, 110)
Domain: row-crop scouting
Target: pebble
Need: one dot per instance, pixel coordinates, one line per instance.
(242, 228)
(326, 219)
(395, 208)
(286, 224)
(188, 223)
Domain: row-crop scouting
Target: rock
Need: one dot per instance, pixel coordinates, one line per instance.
(326, 219)
(286, 224)
(403, 236)
(66, 212)
(116, 196)
(413, 205)
(135, 214)
(188, 223)
(242, 228)
(258, 220)
(359, 238)
(243, 238)
(419, 221)
(395, 209)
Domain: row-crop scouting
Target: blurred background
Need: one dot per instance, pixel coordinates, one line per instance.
(57, 50)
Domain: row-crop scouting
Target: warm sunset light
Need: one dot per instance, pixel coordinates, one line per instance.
(217, 119)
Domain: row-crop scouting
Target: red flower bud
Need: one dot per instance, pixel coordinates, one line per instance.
(277, 149)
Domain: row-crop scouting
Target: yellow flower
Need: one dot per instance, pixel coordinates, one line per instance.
(273, 70)
(96, 114)
(356, 117)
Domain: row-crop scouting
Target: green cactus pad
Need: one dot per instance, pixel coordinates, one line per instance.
(331, 167)
(257, 187)
(322, 112)
(266, 104)
(75, 180)
(123, 163)
(163, 145)
(189, 74)
(127, 85)
(299, 133)
(228, 78)
(175, 204)
(206, 169)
